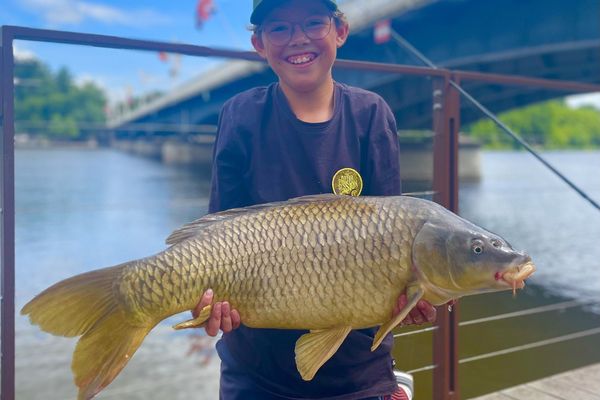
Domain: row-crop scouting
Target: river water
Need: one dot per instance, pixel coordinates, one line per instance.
(78, 210)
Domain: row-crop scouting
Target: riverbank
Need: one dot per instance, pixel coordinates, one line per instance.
(25, 141)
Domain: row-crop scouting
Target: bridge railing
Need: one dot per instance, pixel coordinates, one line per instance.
(446, 125)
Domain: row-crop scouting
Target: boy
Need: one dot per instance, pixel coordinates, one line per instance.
(305, 134)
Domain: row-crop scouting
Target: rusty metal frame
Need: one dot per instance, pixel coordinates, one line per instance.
(446, 126)
(7, 217)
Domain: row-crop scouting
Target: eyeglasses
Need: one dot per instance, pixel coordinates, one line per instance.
(314, 27)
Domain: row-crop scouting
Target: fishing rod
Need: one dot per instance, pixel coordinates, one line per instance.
(407, 45)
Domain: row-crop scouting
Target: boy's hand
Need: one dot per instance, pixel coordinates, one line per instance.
(222, 316)
(423, 312)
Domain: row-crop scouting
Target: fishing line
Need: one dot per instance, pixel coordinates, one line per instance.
(404, 43)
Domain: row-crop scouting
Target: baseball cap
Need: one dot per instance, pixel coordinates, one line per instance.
(262, 7)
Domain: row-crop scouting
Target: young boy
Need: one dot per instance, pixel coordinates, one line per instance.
(305, 134)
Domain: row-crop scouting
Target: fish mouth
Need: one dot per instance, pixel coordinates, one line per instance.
(515, 276)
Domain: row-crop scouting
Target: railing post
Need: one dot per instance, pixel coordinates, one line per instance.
(7, 216)
(446, 125)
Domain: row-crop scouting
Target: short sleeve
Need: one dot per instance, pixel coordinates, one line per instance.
(230, 161)
(383, 153)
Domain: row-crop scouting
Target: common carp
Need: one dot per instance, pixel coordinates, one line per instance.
(324, 263)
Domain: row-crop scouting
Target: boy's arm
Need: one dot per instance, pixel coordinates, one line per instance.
(383, 164)
(230, 161)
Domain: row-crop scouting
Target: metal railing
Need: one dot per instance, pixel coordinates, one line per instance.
(446, 125)
(561, 306)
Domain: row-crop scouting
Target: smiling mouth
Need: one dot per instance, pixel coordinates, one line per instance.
(301, 58)
(516, 276)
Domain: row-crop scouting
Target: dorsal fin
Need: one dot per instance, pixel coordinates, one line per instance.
(191, 229)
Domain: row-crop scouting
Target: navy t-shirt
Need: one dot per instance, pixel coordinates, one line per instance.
(264, 153)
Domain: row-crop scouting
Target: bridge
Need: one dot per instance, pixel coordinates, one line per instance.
(550, 39)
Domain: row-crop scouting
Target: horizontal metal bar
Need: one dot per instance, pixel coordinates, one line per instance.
(422, 193)
(422, 369)
(116, 42)
(530, 311)
(527, 81)
(392, 68)
(430, 329)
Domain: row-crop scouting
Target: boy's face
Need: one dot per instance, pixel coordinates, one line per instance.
(302, 64)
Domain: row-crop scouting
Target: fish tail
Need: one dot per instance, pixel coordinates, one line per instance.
(103, 352)
(88, 305)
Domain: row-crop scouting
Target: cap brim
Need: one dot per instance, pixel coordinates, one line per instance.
(265, 6)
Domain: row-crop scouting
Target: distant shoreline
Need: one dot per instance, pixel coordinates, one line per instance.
(24, 141)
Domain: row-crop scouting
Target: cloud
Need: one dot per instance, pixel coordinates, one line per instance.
(73, 12)
(587, 99)
(22, 54)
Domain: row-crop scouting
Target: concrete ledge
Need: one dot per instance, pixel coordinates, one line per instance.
(416, 158)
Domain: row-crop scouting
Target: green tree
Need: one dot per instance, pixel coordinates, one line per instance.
(551, 124)
(52, 105)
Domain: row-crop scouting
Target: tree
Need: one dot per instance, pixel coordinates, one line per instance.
(551, 124)
(52, 105)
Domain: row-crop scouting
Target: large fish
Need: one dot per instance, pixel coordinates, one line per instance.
(325, 263)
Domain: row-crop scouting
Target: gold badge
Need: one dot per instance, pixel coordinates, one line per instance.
(347, 181)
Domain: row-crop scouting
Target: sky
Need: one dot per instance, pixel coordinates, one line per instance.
(119, 72)
(130, 73)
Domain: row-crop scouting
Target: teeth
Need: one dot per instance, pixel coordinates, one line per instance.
(300, 59)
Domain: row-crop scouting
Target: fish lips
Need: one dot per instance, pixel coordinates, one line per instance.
(514, 276)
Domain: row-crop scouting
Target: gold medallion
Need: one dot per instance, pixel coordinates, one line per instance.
(347, 181)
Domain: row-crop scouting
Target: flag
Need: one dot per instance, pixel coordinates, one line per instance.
(162, 56)
(204, 10)
(383, 31)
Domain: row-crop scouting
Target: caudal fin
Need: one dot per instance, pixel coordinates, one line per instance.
(86, 305)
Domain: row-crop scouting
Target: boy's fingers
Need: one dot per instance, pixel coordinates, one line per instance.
(235, 319)
(226, 324)
(428, 311)
(214, 322)
(416, 316)
(205, 300)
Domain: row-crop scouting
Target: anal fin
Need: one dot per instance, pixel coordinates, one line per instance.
(315, 348)
(195, 322)
(414, 294)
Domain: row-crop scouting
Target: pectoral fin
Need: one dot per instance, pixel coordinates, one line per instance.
(195, 322)
(315, 348)
(414, 294)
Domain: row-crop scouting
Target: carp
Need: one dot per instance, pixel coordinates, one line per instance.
(324, 263)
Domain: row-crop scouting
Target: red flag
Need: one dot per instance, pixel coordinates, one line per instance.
(383, 31)
(162, 56)
(204, 10)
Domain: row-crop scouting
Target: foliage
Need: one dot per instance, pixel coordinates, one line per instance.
(52, 105)
(551, 124)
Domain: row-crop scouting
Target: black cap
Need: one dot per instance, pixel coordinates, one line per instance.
(262, 7)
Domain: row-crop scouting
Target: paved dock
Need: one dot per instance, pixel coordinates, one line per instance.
(580, 384)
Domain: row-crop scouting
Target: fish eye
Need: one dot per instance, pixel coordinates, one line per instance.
(477, 247)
